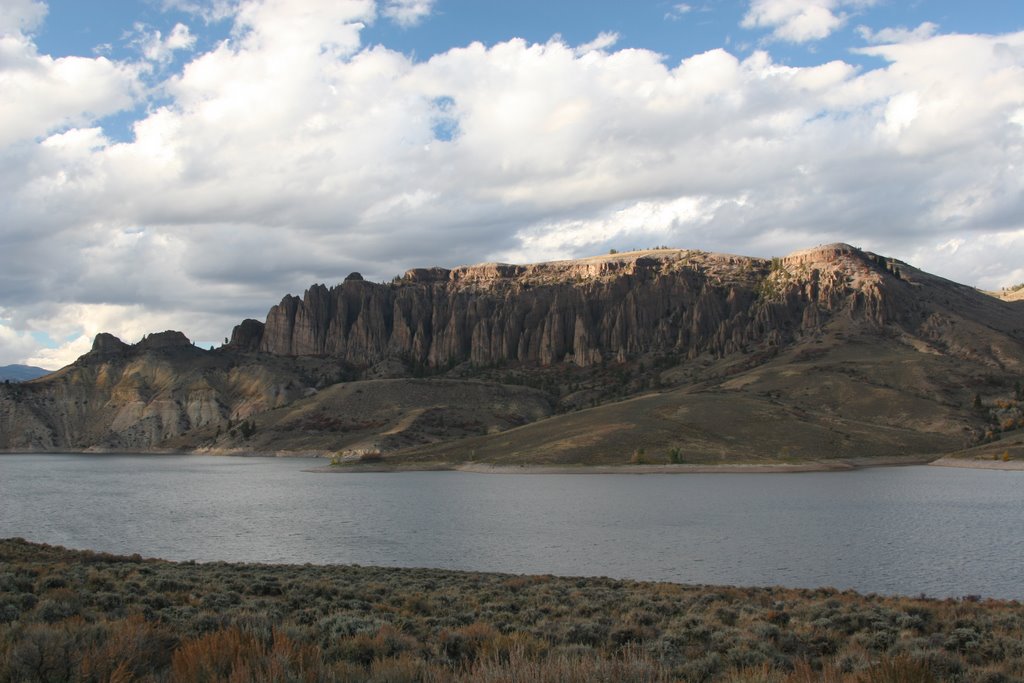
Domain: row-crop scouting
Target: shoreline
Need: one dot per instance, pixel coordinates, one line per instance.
(845, 465)
(839, 465)
(968, 463)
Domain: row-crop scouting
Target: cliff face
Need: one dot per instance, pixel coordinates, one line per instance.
(609, 307)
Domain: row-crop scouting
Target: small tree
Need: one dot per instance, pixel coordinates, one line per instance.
(247, 428)
(638, 457)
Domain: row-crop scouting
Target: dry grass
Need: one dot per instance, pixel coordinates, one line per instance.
(81, 616)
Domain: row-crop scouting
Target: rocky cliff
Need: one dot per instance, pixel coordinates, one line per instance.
(613, 307)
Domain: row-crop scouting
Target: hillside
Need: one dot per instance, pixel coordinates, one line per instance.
(654, 356)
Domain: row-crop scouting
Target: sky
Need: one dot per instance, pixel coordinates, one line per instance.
(183, 164)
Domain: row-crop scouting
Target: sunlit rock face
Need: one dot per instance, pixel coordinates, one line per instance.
(586, 310)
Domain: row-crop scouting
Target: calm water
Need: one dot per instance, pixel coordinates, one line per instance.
(895, 530)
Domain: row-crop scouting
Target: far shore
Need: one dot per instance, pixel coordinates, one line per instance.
(389, 465)
(973, 463)
(698, 468)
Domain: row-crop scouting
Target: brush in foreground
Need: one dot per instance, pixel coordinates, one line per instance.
(81, 616)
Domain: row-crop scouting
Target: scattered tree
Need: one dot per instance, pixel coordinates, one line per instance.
(247, 428)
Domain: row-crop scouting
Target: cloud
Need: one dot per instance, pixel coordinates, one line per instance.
(21, 16)
(156, 48)
(899, 35)
(602, 42)
(800, 21)
(678, 10)
(407, 12)
(16, 347)
(210, 11)
(291, 153)
(39, 94)
(992, 261)
(639, 225)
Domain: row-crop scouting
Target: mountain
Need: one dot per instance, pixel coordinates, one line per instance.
(661, 355)
(20, 373)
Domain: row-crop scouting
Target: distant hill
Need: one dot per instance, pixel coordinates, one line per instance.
(21, 373)
(650, 357)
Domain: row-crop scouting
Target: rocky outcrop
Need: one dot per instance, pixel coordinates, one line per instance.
(583, 311)
(247, 335)
(106, 344)
(171, 339)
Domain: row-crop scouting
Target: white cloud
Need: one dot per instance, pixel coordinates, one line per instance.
(800, 21)
(407, 12)
(795, 21)
(209, 10)
(899, 35)
(16, 347)
(602, 42)
(992, 261)
(282, 27)
(21, 16)
(39, 94)
(291, 154)
(640, 225)
(156, 48)
(678, 10)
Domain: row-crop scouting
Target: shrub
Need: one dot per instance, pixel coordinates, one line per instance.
(232, 654)
(899, 670)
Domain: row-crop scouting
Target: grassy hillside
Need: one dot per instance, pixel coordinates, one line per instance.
(839, 397)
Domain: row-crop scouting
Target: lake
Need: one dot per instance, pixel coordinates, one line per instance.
(908, 530)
